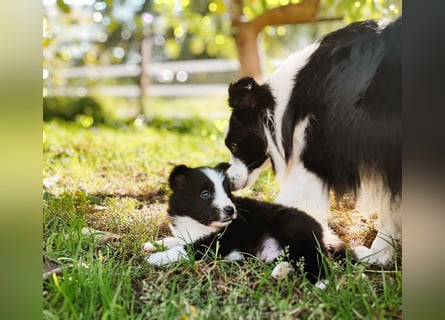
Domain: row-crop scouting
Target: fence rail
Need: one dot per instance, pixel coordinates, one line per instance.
(134, 91)
(155, 70)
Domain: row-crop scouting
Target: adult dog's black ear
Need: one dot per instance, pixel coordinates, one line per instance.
(247, 93)
(223, 166)
(178, 176)
(242, 93)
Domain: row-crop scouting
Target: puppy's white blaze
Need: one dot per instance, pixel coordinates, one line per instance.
(190, 230)
(167, 257)
(221, 198)
(270, 250)
(238, 173)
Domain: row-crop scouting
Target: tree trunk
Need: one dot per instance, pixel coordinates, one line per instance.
(246, 32)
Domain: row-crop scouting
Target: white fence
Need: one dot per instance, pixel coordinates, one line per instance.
(165, 71)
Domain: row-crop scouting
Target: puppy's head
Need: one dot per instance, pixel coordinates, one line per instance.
(246, 138)
(202, 194)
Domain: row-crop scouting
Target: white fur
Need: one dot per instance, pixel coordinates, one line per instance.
(235, 256)
(256, 172)
(374, 198)
(238, 173)
(300, 188)
(166, 257)
(382, 23)
(190, 230)
(270, 250)
(281, 83)
(168, 242)
(221, 198)
(304, 190)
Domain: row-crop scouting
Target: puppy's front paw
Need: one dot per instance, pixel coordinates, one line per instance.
(158, 259)
(148, 248)
(166, 257)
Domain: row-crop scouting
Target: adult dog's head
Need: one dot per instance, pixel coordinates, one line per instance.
(246, 137)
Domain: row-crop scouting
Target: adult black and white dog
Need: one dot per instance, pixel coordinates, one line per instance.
(207, 216)
(328, 118)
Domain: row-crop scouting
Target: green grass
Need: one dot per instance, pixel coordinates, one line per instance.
(115, 179)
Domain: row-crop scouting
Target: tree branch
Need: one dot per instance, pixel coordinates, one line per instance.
(304, 11)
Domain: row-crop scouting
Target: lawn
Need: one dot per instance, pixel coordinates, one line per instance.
(113, 179)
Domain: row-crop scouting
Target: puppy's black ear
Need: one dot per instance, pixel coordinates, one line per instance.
(247, 93)
(178, 176)
(223, 166)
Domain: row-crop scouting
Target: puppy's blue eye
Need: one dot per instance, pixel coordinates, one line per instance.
(205, 194)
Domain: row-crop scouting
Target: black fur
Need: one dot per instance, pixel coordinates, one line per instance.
(246, 139)
(351, 90)
(187, 185)
(255, 221)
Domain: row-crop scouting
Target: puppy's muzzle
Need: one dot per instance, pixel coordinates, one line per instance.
(229, 213)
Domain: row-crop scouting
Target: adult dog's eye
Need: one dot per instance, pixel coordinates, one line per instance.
(233, 147)
(205, 194)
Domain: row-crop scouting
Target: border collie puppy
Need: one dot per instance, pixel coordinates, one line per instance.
(328, 118)
(203, 212)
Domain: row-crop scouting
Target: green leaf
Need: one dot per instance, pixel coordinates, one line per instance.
(63, 6)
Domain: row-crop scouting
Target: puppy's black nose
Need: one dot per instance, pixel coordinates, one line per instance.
(229, 210)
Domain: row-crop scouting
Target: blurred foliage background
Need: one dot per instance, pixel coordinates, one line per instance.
(80, 33)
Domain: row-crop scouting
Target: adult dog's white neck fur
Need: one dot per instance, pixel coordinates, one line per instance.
(281, 83)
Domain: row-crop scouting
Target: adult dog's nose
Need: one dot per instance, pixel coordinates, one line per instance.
(229, 210)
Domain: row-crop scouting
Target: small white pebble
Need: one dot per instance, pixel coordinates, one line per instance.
(281, 270)
(322, 284)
